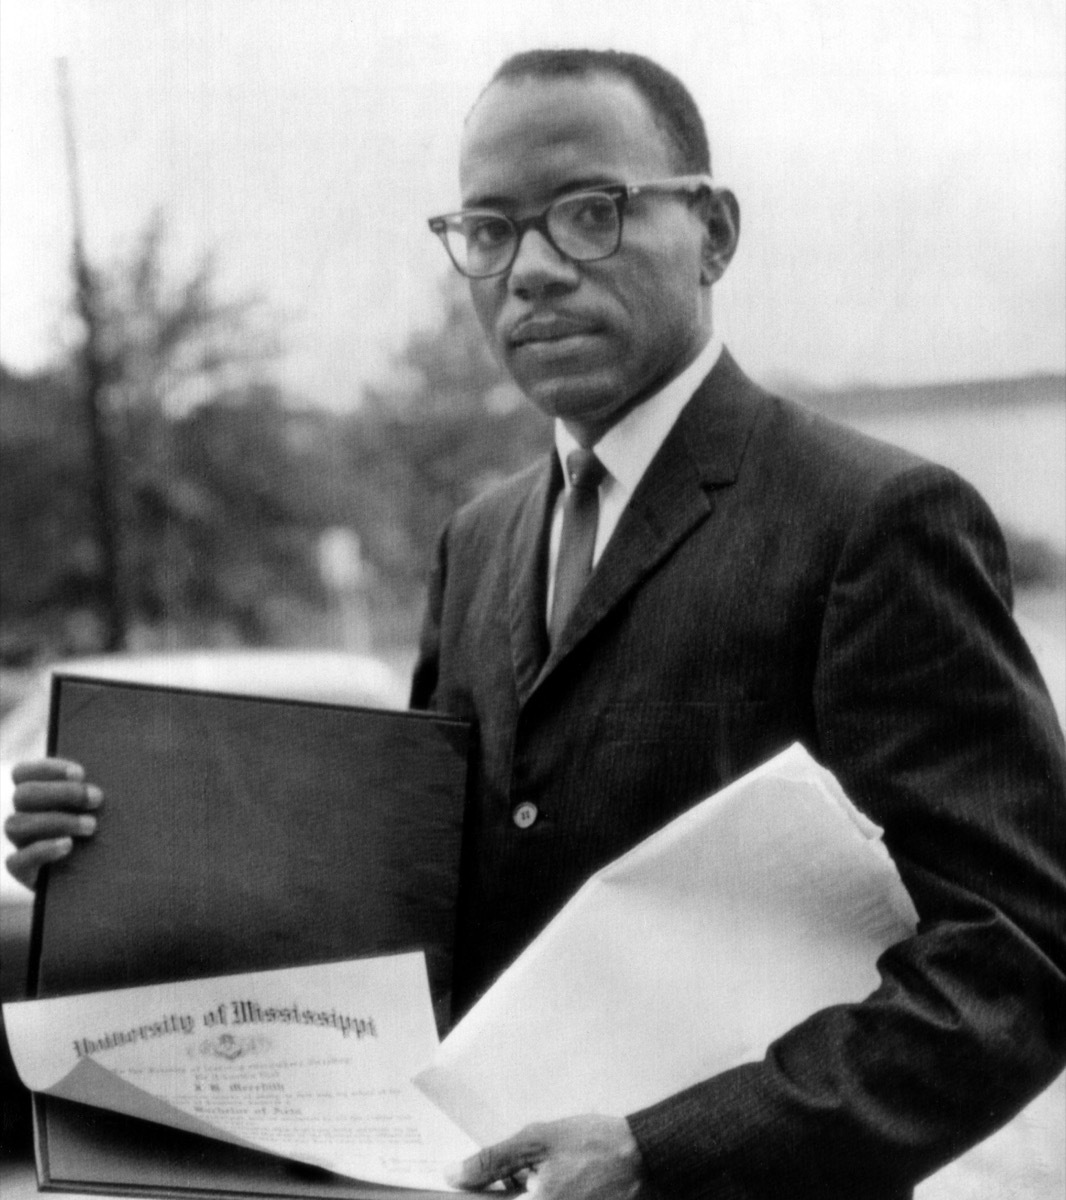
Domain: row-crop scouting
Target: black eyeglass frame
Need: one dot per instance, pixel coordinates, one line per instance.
(619, 193)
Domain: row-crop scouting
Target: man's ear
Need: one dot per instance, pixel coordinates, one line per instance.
(722, 232)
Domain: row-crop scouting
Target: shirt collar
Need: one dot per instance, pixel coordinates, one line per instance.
(628, 447)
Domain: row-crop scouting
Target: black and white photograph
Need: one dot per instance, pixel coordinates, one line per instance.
(533, 599)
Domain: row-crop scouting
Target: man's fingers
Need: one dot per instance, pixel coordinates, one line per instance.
(25, 864)
(48, 768)
(24, 828)
(45, 796)
(53, 806)
(527, 1148)
(577, 1158)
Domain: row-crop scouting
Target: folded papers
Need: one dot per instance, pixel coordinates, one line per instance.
(683, 958)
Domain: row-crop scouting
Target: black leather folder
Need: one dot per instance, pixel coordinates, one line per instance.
(237, 834)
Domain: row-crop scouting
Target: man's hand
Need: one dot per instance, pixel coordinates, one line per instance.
(581, 1158)
(53, 806)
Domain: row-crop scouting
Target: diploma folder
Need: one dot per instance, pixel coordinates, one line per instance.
(237, 834)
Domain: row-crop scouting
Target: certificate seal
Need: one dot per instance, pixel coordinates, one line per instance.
(231, 1046)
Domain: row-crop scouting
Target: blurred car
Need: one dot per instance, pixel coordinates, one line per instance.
(326, 676)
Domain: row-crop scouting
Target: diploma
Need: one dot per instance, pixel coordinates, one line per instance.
(310, 1063)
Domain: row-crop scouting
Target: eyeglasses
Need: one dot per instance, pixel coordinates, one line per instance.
(582, 226)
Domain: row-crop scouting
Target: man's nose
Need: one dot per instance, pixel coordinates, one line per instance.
(539, 267)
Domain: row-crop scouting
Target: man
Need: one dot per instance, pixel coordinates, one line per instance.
(759, 576)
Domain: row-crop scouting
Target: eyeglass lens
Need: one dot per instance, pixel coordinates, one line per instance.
(584, 227)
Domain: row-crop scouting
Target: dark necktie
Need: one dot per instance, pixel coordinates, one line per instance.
(580, 517)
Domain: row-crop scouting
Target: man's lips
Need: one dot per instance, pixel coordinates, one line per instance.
(533, 330)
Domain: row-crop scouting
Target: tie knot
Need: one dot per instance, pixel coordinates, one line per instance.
(584, 470)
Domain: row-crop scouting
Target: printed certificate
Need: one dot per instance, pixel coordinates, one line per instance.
(311, 1063)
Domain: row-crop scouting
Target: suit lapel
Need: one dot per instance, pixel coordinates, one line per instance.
(528, 576)
(703, 452)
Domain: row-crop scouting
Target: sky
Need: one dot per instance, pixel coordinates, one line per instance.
(900, 166)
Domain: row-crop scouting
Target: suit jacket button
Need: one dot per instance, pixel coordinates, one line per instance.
(524, 815)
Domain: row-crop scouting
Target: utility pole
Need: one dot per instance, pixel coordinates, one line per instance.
(102, 473)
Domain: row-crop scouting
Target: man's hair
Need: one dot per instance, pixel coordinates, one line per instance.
(671, 104)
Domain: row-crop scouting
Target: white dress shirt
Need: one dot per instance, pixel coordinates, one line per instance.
(626, 451)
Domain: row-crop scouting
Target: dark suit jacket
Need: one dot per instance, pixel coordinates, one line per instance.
(774, 578)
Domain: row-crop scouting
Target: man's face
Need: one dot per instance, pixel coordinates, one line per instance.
(585, 341)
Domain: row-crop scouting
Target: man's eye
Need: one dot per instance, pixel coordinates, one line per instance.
(484, 233)
(590, 213)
